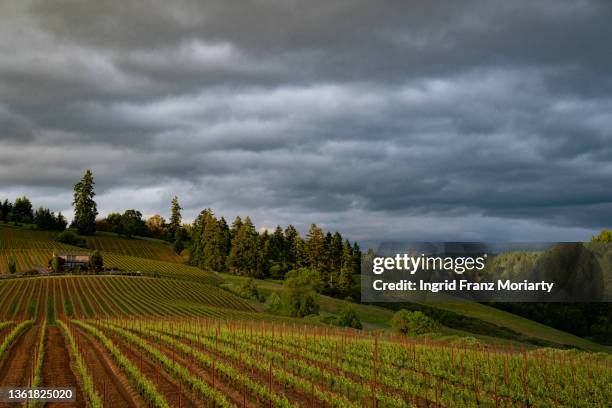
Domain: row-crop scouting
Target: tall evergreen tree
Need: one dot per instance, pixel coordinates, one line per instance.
(335, 260)
(60, 222)
(357, 258)
(226, 237)
(290, 234)
(278, 249)
(214, 256)
(242, 259)
(85, 209)
(236, 225)
(263, 256)
(197, 234)
(316, 251)
(301, 252)
(345, 279)
(175, 218)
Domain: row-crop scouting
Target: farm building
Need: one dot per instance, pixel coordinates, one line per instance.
(72, 260)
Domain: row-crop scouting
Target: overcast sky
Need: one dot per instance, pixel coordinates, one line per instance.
(451, 120)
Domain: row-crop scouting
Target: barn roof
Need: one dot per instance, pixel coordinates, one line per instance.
(72, 253)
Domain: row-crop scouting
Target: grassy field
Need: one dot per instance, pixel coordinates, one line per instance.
(376, 317)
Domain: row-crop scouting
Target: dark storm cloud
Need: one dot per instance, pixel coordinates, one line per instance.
(394, 119)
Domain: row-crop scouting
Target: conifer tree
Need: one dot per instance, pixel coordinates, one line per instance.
(345, 280)
(175, 218)
(278, 247)
(242, 259)
(300, 252)
(357, 258)
(263, 256)
(213, 257)
(225, 236)
(290, 235)
(235, 227)
(316, 251)
(197, 232)
(85, 209)
(60, 222)
(335, 260)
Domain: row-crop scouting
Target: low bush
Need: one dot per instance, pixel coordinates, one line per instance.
(348, 318)
(413, 323)
(70, 238)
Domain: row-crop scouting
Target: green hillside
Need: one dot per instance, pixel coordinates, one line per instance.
(376, 317)
(152, 258)
(119, 297)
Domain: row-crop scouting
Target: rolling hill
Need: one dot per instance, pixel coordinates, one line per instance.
(178, 336)
(154, 258)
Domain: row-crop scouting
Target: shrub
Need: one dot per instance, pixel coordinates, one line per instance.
(11, 264)
(300, 292)
(96, 262)
(413, 323)
(178, 246)
(56, 264)
(248, 290)
(348, 318)
(70, 238)
(275, 304)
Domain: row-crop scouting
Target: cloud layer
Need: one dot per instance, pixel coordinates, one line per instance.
(385, 121)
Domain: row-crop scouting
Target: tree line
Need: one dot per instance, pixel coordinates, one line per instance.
(239, 249)
(21, 212)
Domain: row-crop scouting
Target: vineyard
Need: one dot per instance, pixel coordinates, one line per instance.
(106, 296)
(175, 338)
(142, 248)
(160, 268)
(33, 248)
(195, 362)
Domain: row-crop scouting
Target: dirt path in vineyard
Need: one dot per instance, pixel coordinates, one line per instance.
(164, 383)
(16, 366)
(57, 367)
(110, 382)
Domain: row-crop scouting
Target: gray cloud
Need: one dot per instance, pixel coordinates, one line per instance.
(451, 120)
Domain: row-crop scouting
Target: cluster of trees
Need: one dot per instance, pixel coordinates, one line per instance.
(131, 223)
(298, 299)
(241, 250)
(20, 212)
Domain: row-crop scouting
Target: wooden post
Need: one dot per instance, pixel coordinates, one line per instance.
(312, 394)
(270, 383)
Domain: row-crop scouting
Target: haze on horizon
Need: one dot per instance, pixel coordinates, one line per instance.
(459, 120)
